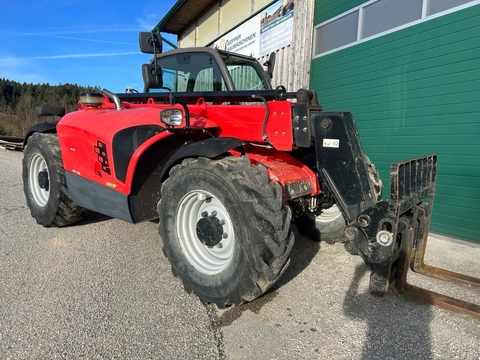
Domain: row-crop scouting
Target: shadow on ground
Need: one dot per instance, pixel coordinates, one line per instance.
(303, 251)
(91, 217)
(397, 327)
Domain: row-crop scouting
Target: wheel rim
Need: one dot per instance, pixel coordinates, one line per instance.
(39, 192)
(194, 206)
(329, 214)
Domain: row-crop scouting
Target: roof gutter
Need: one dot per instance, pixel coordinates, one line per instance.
(169, 15)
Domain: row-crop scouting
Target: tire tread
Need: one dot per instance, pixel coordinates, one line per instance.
(63, 211)
(261, 199)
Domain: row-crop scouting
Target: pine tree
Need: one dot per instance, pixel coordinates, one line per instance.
(19, 101)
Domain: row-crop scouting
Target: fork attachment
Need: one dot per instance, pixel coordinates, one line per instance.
(391, 236)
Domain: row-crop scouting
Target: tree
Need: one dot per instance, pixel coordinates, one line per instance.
(25, 112)
(18, 103)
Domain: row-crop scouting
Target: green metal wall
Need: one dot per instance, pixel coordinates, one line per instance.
(413, 92)
(327, 9)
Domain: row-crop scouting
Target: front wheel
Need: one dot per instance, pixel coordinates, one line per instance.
(225, 229)
(44, 183)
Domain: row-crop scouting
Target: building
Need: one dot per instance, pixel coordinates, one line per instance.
(208, 22)
(408, 70)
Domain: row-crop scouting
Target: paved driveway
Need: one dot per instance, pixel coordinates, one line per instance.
(101, 289)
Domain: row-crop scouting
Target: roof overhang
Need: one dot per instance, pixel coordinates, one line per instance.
(181, 15)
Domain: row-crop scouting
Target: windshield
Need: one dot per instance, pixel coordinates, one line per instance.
(191, 72)
(199, 71)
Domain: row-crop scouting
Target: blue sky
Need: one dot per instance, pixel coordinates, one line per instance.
(79, 42)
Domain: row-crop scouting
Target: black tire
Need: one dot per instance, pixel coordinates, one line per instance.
(255, 225)
(322, 225)
(328, 224)
(44, 183)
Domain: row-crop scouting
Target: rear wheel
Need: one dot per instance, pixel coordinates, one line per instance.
(225, 229)
(44, 183)
(328, 224)
(322, 225)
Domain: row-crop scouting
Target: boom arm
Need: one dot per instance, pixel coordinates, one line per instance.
(376, 230)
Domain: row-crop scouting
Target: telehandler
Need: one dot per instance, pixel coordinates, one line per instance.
(226, 163)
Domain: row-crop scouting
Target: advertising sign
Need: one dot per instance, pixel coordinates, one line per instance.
(266, 32)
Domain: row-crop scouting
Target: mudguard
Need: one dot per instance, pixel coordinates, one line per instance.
(45, 127)
(208, 148)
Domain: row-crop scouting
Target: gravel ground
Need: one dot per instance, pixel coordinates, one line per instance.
(98, 290)
(101, 289)
(322, 309)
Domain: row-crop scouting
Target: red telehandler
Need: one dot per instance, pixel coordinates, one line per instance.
(226, 163)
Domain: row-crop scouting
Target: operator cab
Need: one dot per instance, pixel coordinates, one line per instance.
(199, 69)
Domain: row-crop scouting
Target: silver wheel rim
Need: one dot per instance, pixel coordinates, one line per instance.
(207, 260)
(38, 164)
(329, 214)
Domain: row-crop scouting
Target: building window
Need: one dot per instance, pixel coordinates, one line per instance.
(337, 33)
(376, 18)
(384, 15)
(436, 6)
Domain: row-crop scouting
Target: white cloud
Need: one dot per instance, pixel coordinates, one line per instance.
(148, 22)
(92, 29)
(22, 76)
(21, 69)
(16, 60)
(73, 38)
(70, 56)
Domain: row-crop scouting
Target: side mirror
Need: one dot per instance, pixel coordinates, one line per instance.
(150, 42)
(152, 77)
(270, 64)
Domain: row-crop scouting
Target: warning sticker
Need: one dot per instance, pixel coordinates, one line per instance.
(331, 143)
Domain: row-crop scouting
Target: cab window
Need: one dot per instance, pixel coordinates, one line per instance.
(191, 72)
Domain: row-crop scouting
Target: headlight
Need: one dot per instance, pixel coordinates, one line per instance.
(173, 117)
